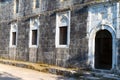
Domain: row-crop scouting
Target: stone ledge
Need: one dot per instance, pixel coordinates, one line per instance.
(41, 67)
(81, 75)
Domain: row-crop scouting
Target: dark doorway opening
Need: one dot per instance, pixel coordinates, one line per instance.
(103, 50)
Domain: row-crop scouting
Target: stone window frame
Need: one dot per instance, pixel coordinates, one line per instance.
(62, 20)
(35, 4)
(34, 25)
(14, 28)
(15, 6)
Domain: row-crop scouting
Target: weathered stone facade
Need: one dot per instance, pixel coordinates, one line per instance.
(77, 52)
(104, 17)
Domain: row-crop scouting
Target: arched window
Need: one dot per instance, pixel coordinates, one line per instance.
(36, 3)
(17, 6)
(63, 29)
(34, 32)
(13, 35)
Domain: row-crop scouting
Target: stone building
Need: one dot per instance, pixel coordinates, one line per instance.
(68, 33)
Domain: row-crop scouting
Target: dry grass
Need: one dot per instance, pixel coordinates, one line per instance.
(35, 66)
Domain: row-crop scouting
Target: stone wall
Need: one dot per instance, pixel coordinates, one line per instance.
(74, 56)
(4, 39)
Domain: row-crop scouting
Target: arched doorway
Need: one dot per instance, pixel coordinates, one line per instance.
(103, 50)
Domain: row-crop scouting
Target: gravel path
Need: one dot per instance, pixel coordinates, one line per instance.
(8, 72)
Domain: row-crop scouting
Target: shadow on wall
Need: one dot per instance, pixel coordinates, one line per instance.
(6, 76)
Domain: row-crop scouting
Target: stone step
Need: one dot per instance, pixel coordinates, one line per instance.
(103, 76)
(92, 78)
(111, 76)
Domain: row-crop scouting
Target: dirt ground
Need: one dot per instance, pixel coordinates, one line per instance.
(8, 72)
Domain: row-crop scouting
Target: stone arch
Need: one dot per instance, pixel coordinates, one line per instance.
(64, 21)
(103, 50)
(34, 22)
(91, 53)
